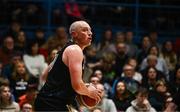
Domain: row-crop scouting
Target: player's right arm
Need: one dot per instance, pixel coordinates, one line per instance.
(73, 57)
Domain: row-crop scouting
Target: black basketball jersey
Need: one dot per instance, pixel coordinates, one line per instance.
(58, 85)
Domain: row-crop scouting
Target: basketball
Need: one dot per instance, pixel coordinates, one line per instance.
(87, 101)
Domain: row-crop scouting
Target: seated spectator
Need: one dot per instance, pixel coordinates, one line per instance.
(130, 78)
(169, 56)
(141, 103)
(160, 65)
(119, 37)
(40, 37)
(105, 105)
(14, 28)
(153, 35)
(122, 97)
(143, 49)
(152, 61)
(29, 96)
(131, 47)
(159, 96)
(133, 62)
(91, 59)
(52, 55)
(9, 68)
(106, 43)
(19, 80)
(175, 87)
(34, 62)
(6, 102)
(107, 67)
(150, 78)
(94, 80)
(7, 50)
(27, 108)
(56, 41)
(44, 75)
(4, 81)
(98, 73)
(20, 43)
(120, 59)
(130, 68)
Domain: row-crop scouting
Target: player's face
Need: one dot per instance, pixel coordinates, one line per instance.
(84, 35)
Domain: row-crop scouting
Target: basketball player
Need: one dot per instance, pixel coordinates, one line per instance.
(64, 79)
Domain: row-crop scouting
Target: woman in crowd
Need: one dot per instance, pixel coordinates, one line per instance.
(34, 62)
(19, 80)
(6, 102)
(151, 77)
(169, 56)
(122, 97)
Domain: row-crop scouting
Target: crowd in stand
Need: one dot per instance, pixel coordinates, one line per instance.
(134, 77)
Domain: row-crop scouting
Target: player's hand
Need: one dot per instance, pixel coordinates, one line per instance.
(95, 93)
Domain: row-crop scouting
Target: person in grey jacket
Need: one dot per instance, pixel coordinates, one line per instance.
(141, 103)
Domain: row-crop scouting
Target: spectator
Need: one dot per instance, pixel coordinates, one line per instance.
(94, 80)
(6, 102)
(7, 50)
(122, 96)
(159, 96)
(141, 102)
(120, 37)
(143, 49)
(121, 58)
(8, 69)
(34, 62)
(134, 64)
(29, 96)
(169, 55)
(106, 42)
(150, 78)
(19, 80)
(107, 67)
(27, 108)
(57, 41)
(154, 39)
(105, 105)
(15, 28)
(40, 37)
(92, 60)
(131, 47)
(130, 78)
(175, 87)
(52, 55)
(34, 14)
(98, 73)
(129, 71)
(4, 81)
(160, 65)
(20, 42)
(151, 62)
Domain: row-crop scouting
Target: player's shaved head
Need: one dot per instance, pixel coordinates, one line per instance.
(75, 25)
